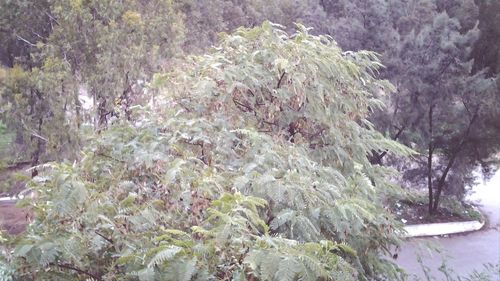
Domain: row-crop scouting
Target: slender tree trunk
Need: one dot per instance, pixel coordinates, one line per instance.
(102, 114)
(429, 161)
(35, 157)
(78, 104)
(442, 180)
(451, 161)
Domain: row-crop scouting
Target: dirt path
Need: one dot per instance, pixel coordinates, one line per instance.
(12, 219)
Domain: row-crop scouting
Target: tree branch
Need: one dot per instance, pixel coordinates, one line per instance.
(51, 17)
(104, 237)
(280, 80)
(25, 41)
(71, 267)
(238, 103)
(429, 160)
(395, 137)
(110, 157)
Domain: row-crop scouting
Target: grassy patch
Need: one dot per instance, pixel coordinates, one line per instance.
(413, 209)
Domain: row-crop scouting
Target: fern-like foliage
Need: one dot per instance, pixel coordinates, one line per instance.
(251, 165)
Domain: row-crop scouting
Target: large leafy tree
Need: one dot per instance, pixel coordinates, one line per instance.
(254, 166)
(58, 51)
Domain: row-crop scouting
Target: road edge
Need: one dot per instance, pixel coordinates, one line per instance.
(446, 228)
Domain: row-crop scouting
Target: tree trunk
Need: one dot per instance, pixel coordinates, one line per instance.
(453, 157)
(102, 114)
(35, 156)
(429, 162)
(78, 107)
(441, 182)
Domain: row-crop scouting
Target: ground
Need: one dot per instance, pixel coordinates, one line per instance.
(12, 180)
(412, 208)
(415, 212)
(12, 219)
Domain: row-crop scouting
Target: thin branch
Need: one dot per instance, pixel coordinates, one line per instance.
(38, 136)
(441, 72)
(466, 107)
(104, 237)
(242, 105)
(380, 156)
(51, 17)
(110, 157)
(280, 80)
(71, 267)
(269, 123)
(25, 41)
(38, 35)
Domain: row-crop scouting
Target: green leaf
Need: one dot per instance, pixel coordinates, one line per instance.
(164, 255)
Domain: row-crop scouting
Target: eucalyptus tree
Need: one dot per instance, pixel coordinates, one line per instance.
(253, 164)
(22, 25)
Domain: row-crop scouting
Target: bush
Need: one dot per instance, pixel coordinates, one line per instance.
(252, 165)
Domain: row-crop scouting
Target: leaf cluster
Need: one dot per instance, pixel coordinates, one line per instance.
(214, 185)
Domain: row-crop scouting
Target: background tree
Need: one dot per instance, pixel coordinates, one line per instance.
(436, 81)
(426, 46)
(486, 51)
(69, 49)
(112, 47)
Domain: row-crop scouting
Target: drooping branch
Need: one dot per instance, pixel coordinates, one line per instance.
(242, 105)
(76, 269)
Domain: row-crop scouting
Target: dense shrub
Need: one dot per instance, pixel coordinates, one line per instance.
(251, 164)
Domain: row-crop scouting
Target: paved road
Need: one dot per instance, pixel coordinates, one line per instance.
(466, 252)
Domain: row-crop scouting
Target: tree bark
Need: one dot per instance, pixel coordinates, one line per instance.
(429, 161)
(451, 161)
